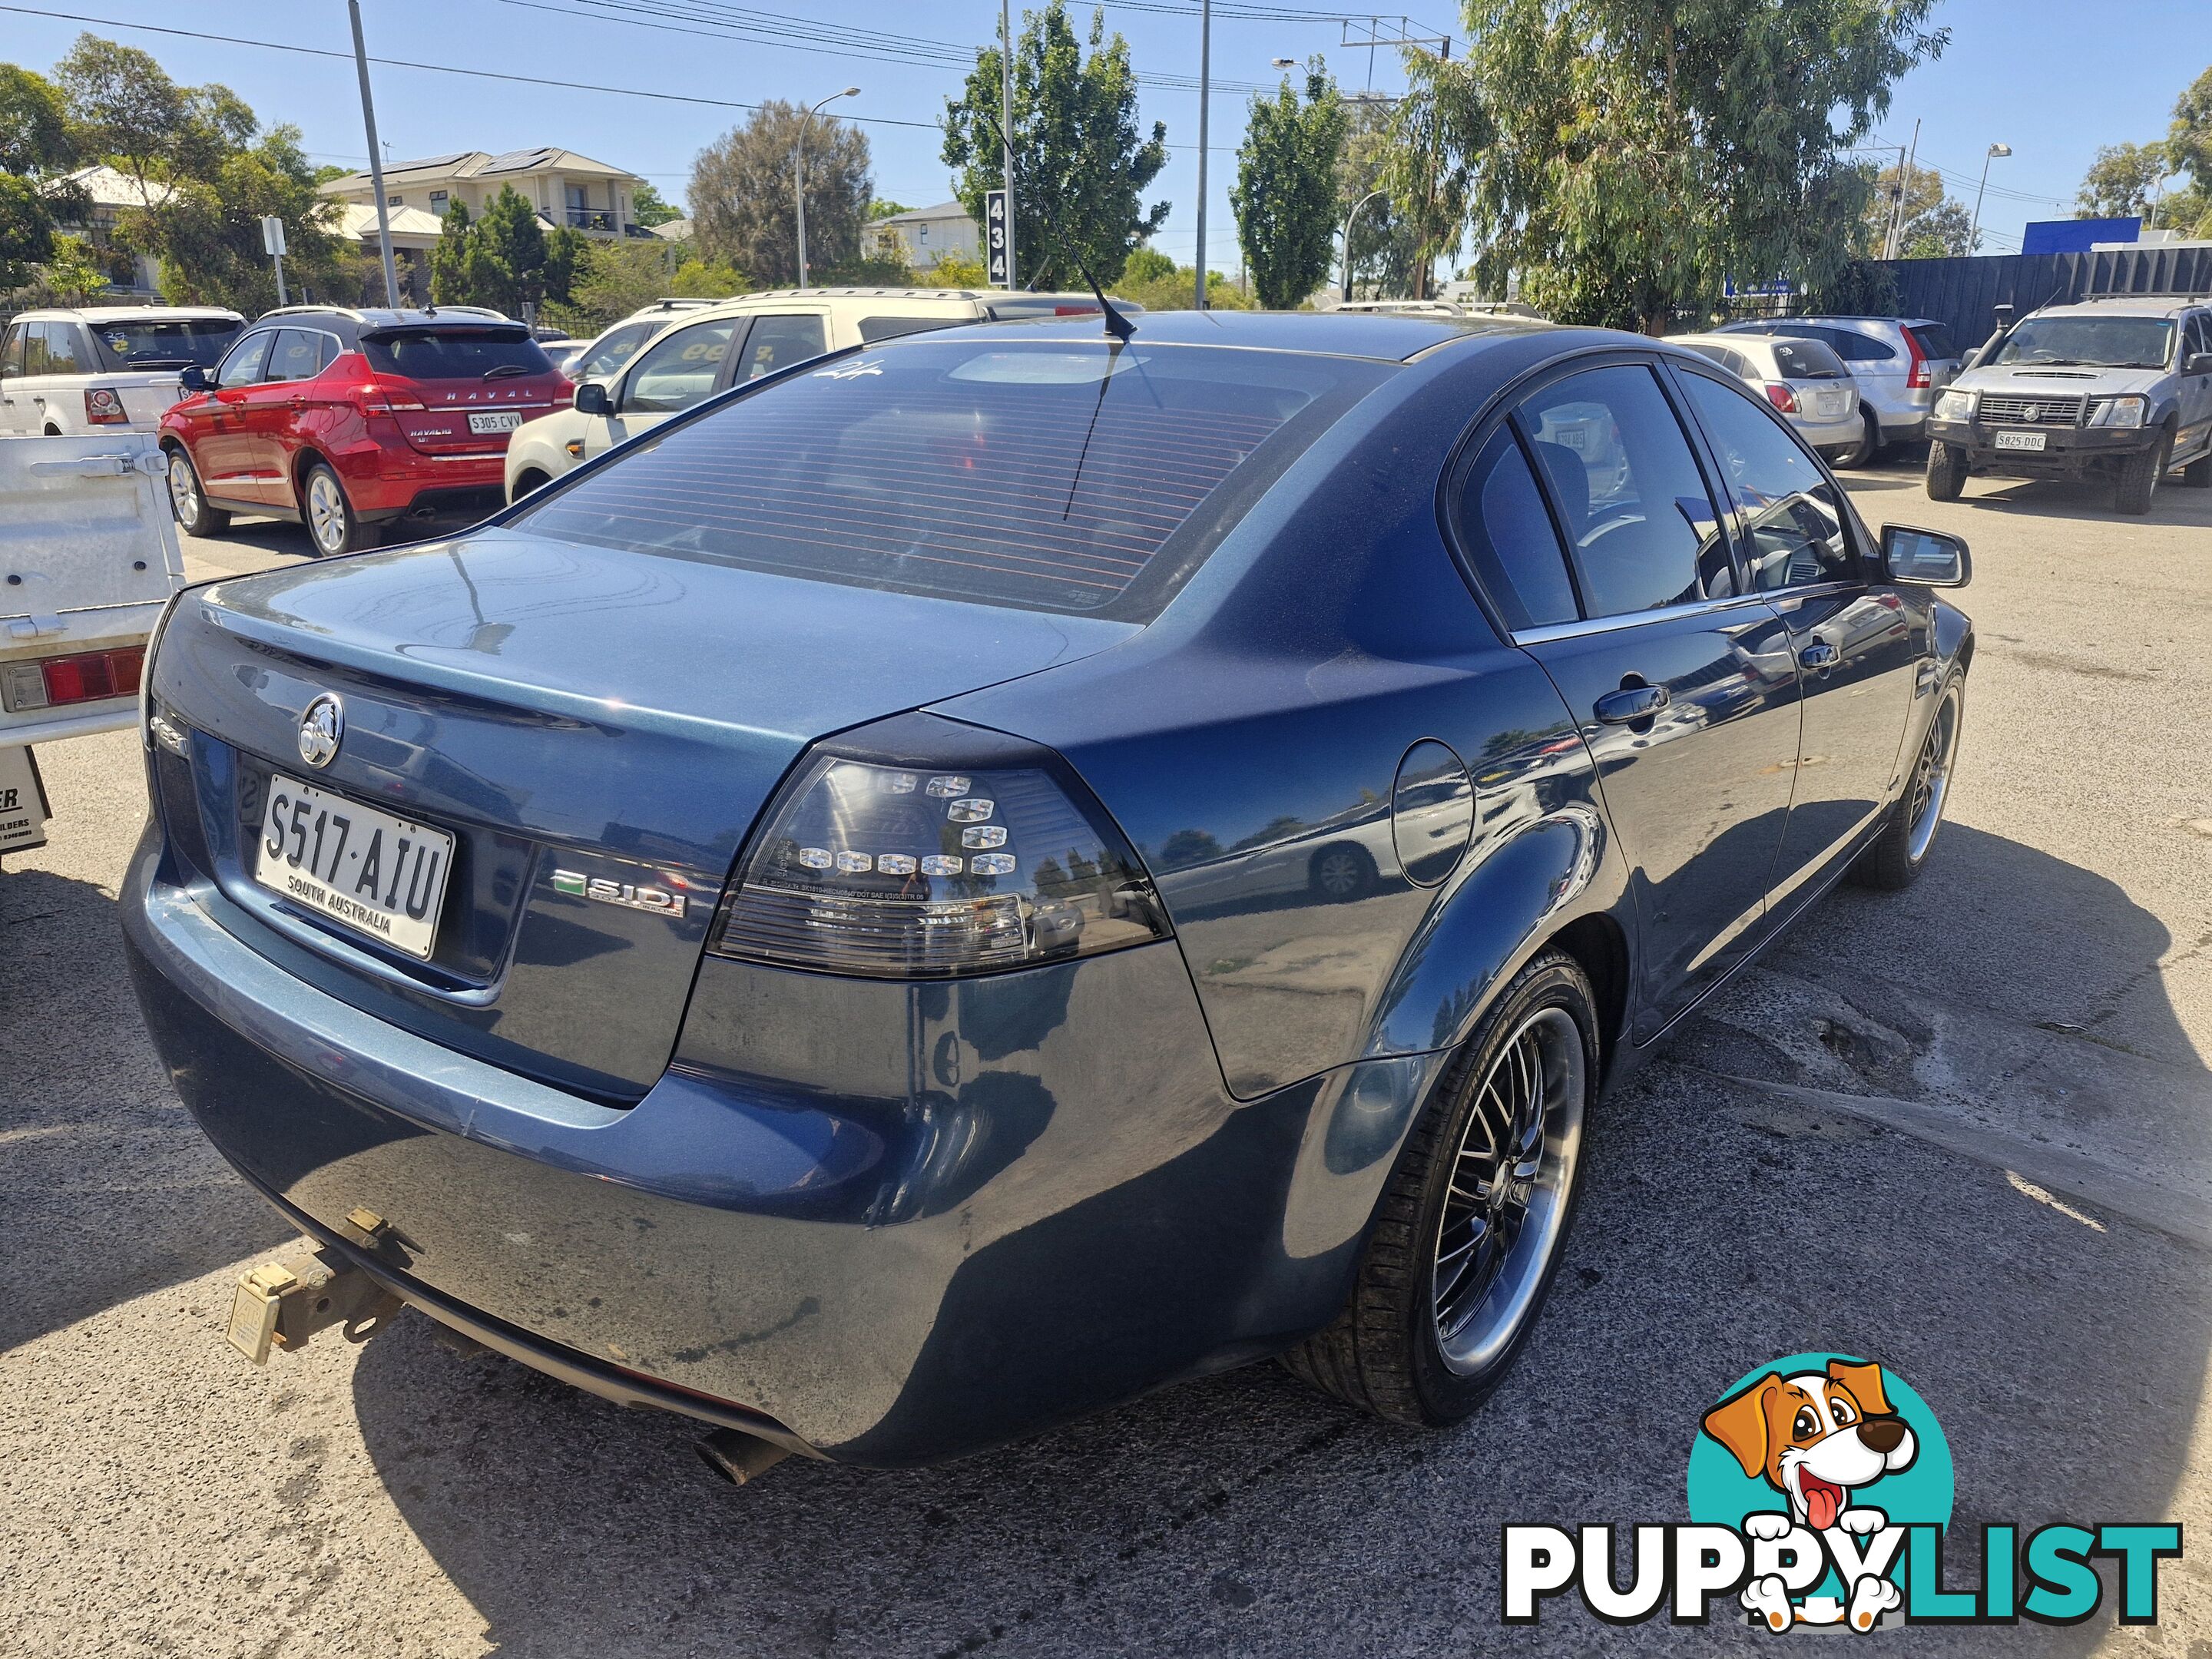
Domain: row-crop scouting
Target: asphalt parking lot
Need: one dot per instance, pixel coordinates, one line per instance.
(1967, 1130)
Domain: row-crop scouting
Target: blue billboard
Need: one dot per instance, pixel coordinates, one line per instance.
(2077, 235)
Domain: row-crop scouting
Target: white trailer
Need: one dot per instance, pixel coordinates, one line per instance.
(88, 556)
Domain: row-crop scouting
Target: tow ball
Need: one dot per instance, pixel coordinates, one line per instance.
(282, 1302)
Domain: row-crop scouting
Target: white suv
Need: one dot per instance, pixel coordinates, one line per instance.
(726, 345)
(104, 368)
(1898, 364)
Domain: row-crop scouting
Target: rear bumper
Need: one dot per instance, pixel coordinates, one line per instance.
(884, 1224)
(384, 480)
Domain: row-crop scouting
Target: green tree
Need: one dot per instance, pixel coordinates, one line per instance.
(613, 279)
(2123, 180)
(1176, 288)
(206, 232)
(1076, 146)
(513, 239)
(455, 262)
(646, 209)
(880, 209)
(1285, 197)
(1935, 225)
(741, 206)
(74, 272)
(1385, 247)
(1626, 155)
(2189, 149)
(35, 145)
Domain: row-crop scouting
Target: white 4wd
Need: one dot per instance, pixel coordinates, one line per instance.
(2116, 389)
(104, 368)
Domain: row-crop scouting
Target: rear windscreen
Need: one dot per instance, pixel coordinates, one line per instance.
(1050, 475)
(455, 354)
(152, 344)
(1806, 360)
(1935, 339)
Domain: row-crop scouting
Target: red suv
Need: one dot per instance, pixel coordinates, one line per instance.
(345, 420)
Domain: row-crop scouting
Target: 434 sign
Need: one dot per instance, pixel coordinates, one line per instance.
(995, 241)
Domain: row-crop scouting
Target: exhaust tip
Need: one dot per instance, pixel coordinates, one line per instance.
(738, 1457)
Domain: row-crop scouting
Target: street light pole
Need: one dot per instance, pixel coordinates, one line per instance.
(1974, 236)
(799, 171)
(1204, 89)
(375, 166)
(1348, 218)
(1006, 126)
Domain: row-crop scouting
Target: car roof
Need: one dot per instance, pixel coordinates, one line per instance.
(2126, 305)
(350, 323)
(1386, 337)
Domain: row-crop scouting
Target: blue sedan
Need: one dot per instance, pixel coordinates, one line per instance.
(982, 875)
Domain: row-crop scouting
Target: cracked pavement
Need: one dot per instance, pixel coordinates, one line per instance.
(1963, 1130)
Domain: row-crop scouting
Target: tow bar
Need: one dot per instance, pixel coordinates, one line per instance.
(282, 1302)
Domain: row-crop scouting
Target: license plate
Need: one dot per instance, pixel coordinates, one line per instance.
(377, 874)
(495, 420)
(2022, 440)
(1829, 403)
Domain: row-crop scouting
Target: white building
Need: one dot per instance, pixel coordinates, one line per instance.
(925, 235)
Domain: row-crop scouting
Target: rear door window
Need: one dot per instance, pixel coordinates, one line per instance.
(297, 354)
(1053, 475)
(455, 354)
(679, 369)
(243, 365)
(1640, 525)
(1510, 539)
(779, 341)
(55, 350)
(1790, 518)
(615, 349)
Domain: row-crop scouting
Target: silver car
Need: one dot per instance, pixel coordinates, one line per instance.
(1898, 364)
(1802, 379)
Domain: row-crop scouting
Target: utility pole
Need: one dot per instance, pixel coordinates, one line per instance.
(1006, 126)
(1974, 235)
(1892, 245)
(375, 165)
(1205, 94)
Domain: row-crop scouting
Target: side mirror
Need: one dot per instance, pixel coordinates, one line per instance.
(193, 378)
(592, 398)
(2200, 363)
(1928, 558)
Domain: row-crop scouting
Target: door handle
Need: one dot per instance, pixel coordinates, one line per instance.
(1631, 703)
(297, 402)
(1820, 656)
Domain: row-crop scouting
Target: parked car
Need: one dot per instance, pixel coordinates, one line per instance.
(2118, 389)
(723, 932)
(347, 420)
(90, 556)
(104, 368)
(602, 357)
(1898, 364)
(740, 340)
(1800, 377)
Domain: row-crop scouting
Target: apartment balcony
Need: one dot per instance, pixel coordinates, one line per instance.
(601, 220)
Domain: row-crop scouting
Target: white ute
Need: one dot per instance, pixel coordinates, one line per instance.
(88, 556)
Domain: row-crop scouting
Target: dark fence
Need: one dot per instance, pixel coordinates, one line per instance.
(1965, 293)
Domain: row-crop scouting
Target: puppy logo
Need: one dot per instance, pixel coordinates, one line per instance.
(1827, 1441)
(1817, 1437)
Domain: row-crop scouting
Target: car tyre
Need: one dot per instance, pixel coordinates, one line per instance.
(333, 526)
(1897, 856)
(1869, 448)
(2198, 475)
(189, 501)
(2139, 475)
(1419, 1341)
(1947, 472)
(1341, 872)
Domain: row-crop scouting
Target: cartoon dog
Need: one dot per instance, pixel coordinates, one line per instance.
(1816, 1437)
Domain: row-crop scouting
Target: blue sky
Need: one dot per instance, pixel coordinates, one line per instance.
(2053, 78)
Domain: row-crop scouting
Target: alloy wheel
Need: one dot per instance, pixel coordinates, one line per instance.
(1931, 778)
(183, 489)
(1511, 1178)
(326, 512)
(1340, 874)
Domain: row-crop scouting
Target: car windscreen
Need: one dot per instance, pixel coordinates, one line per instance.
(2089, 342)
(153, 342)
(1806, 360)
(437, 354)
(1053, 475)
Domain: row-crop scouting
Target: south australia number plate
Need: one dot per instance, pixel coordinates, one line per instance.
(2022, 440)
(497, 420)
(375, 873)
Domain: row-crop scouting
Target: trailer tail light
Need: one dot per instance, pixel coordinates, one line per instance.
(1921, 377)
(1782, 397)
(103, 407)
(89, 676)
